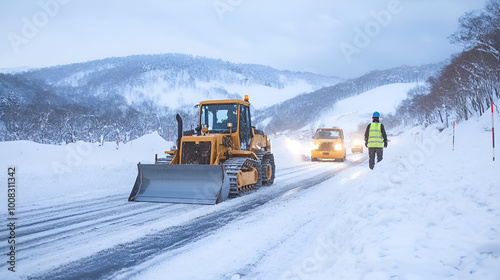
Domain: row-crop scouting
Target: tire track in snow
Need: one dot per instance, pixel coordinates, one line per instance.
(94, 211)
(62, 225)
(49, 234)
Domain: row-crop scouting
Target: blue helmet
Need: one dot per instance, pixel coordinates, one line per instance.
(376, 114)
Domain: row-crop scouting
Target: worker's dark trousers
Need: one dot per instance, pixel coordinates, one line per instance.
(371, 154)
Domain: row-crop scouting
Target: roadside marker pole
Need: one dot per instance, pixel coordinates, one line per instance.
(117, 140)
(493, 129)
(453, 147)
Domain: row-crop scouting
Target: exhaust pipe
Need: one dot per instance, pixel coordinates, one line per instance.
(179, 130)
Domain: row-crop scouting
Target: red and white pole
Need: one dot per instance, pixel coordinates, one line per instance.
(453, 147)
(493, 129)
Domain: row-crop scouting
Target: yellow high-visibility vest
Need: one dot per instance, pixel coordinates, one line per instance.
(375, 139)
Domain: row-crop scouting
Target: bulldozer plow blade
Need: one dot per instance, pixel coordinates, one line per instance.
(196, 184)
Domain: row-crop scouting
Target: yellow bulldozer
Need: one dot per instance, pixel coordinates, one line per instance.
(222, 158)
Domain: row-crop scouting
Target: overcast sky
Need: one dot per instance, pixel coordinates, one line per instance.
(330, 37)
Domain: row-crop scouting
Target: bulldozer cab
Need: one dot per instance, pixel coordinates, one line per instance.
(217, 117)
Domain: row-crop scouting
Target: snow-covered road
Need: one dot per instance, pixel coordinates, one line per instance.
(108, 237)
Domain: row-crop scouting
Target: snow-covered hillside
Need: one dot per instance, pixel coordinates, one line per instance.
(134, 95)
(352, 112)
(302, 110)
(177, 80)
(165, 92)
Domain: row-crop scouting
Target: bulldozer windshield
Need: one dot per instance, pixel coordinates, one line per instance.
(217, 116)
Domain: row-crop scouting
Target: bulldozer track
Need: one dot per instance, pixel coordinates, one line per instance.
(232, 166)
(266, 158)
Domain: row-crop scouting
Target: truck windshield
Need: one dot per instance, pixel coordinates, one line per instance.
(217, 116)
(327, 134)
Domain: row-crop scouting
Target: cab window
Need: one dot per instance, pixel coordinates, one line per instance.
(217, 116)
(245, 128)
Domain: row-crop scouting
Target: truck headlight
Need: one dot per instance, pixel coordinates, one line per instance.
(357, 142)
(338, 147)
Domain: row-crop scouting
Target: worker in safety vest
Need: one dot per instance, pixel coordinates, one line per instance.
(375, 140)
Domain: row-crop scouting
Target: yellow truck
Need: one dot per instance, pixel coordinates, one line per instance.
(328, 144)
(357, 144)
